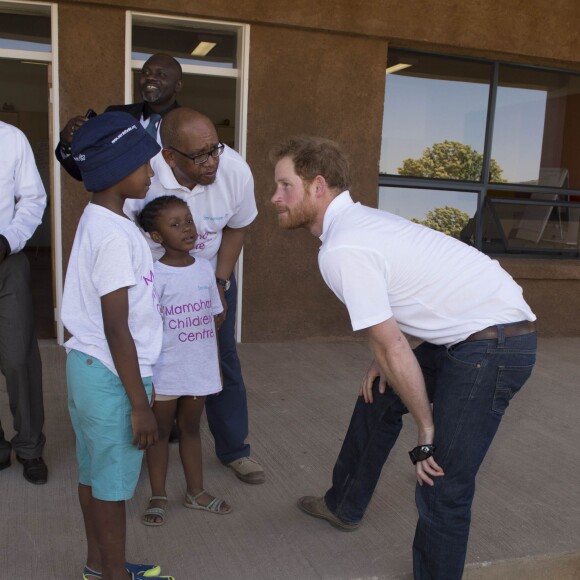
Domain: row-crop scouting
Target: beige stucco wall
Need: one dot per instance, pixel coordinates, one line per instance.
(91, 70)
(527, 28)
(315, 83)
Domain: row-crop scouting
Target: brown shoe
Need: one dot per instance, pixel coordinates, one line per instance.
(248, 470)
(316, 506)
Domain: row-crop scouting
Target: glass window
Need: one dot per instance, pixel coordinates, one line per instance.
(25, 27)
(210, 56)
(193, 43)
(537, 127)
(435, 116)
(530, 222)
(450, 212)
(435, 125)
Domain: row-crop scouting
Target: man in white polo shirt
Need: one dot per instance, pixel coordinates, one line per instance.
(22, 203)
(218, 186)
(479, 348)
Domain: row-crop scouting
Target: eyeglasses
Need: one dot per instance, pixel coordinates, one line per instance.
(202, 158)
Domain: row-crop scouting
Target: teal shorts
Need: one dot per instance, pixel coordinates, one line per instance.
(100, 413)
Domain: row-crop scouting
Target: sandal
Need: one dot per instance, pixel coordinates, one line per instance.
(154, 511)
(214, 506)
(141, 570)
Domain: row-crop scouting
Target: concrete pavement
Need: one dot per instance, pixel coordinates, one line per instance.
(526, 516)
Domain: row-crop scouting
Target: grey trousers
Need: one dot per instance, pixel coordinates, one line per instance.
(20, 360)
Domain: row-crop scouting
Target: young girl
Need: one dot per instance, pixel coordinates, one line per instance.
(188, 367)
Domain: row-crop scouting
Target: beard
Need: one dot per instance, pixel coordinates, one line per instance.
(151, 95)
(300, 216)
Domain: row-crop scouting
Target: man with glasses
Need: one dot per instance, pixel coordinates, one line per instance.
(218, 186)
(159, 83)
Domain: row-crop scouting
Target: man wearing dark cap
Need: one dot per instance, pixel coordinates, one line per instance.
(159, 83)
(109, 282)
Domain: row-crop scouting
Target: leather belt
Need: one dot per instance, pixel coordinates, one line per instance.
(517, 329)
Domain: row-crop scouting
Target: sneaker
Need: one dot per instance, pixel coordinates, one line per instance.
(137, 571)
(248, 470)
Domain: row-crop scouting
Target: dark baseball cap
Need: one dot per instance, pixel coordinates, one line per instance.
(109, 147)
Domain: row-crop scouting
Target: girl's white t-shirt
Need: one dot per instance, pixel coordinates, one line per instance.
(188, 301)
(108, 253)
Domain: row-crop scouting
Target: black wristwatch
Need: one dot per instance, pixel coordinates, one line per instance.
(225, 283)
(421, 452)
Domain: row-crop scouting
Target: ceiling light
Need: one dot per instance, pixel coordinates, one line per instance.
(397, 67)
(203, 48)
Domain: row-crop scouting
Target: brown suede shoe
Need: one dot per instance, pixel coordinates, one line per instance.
(248, 470)
(316, 506)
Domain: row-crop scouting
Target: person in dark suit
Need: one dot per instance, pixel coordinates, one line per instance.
(159, 83)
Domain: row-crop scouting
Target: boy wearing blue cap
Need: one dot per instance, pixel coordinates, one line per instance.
(110, 308)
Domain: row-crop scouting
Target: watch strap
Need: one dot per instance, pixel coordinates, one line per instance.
(421, 452)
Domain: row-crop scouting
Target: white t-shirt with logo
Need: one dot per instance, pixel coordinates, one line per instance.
(438, 288)
(188, 300)
(109, 253)
(228, 201)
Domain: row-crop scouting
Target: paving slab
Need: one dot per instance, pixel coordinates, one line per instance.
(526, 516)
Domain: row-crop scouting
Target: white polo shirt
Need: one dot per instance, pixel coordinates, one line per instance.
(22, 195)
(438, 288)
(228, 201)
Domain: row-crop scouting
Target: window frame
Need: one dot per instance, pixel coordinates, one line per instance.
(485, 185)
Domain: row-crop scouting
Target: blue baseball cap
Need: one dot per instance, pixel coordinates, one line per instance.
(109, 147)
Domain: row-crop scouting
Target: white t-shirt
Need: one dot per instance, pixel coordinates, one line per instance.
(188, 301)
(109, 253)
(438, 289)
(228, 201)
(22, 195)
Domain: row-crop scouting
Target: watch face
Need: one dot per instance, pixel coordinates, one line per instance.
(227, 285)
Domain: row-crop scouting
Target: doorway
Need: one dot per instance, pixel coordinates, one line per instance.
(25, 69)
(214, 58)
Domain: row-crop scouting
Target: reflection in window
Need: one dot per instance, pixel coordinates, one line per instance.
(25, 27)
(530, 222)
(450, 212)
(435, 115)
(537, 126)
(194, 43)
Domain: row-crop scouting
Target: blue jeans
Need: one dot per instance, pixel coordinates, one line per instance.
(470, 385)
(227, 411)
